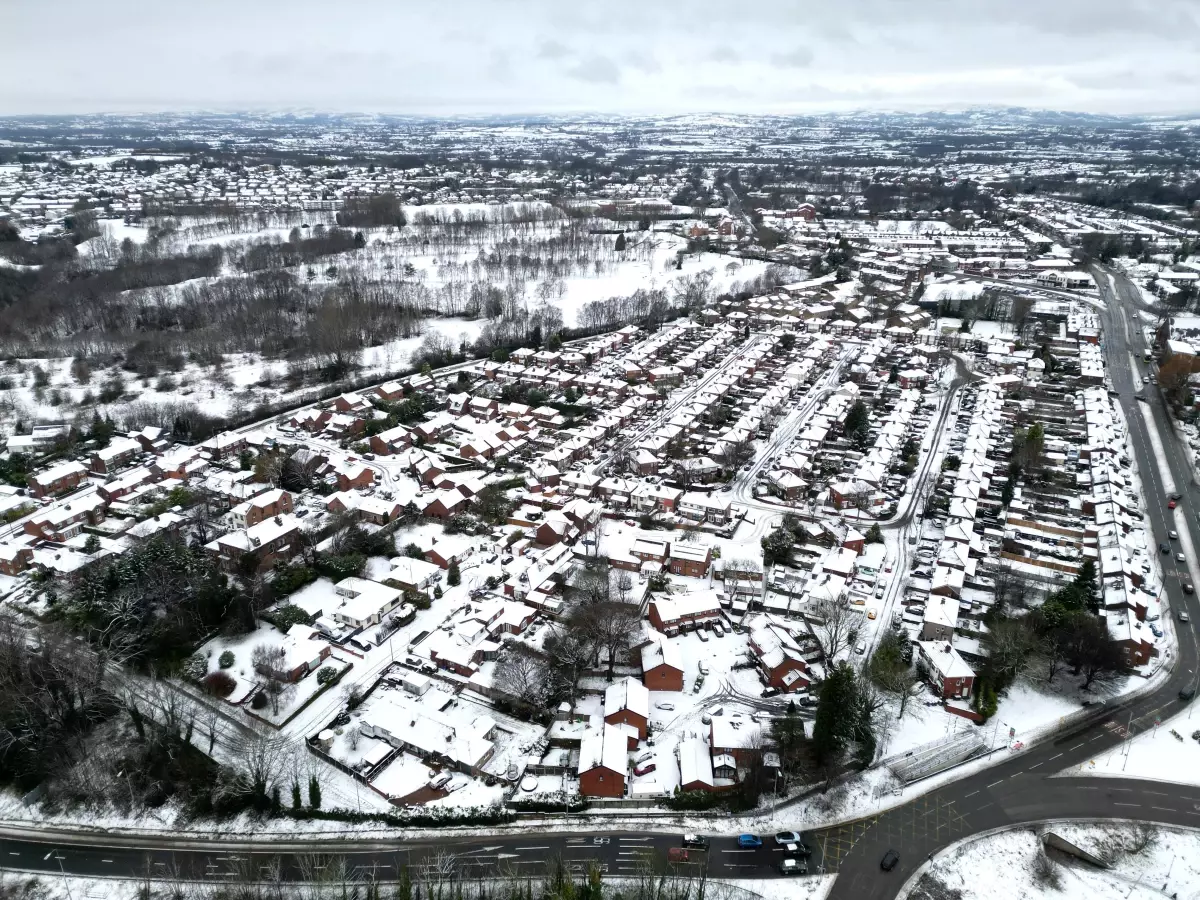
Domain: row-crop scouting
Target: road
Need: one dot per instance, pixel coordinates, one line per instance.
(1019, 789)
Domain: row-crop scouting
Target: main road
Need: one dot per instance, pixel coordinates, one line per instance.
(1017, 790)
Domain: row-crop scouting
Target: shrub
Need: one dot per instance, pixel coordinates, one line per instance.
(219, 684)
(195, 667)
(259, 701)
(285, 618)
(225, 660)
(326, 674)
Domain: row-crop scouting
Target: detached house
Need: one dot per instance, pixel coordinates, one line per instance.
(627, 702)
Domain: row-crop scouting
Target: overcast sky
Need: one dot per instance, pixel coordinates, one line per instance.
(620, 56)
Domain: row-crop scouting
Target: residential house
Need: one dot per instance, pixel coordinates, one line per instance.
(603, 762)
(946, 671)
(627, 702)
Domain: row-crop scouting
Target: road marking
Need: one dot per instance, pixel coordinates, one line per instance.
(1122, 790)
(737, 851)
(1080, 744)
(103, 860)
(13, 853)
(972, 794)
(1163, 808)
(1159, 794)
(1053, 758)
(994, 783)
(640, 840)
(1034, 766)
(985, 806)
(1088, 788)
(740, 866)
(531, 848)
(1126, 804)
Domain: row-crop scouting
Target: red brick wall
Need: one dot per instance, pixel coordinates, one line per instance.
(601, 782)
(663, 678)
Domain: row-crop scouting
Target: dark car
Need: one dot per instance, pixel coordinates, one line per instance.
(793, 867)
(889, 860)
(1187, 694)
(1163, 548)
(1187, 588)
(695, 842)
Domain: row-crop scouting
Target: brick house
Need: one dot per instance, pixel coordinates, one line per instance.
(14, 559)
(62, 522)
(946, 671)
(271, 541)
(394, 440)
(780, 658)
(685, 612)
(603, 762)
(354, 475)
(267, 504)
(57, 480)
(690, 560)
(627, 702)
(119, 453)
(662, 666)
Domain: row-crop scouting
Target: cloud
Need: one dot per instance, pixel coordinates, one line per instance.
(723, 53)
(796, 58)
(552, 49)
(596, 69)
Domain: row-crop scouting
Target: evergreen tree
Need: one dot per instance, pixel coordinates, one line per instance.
(314, 792)
(296, 801)
(453, 576)
(620, 243)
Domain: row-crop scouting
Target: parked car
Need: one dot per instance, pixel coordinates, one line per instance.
(749, 841)
(703, 667)
(645, 768)
(666, 706)
(787, 837)
(793, 867)
(439, 781)
(889, 860)
(1187, 589)
(703, 635)
(695, 841)
(770, 691)
(677, 855)
(799, 849)
(1173, 535)
(1179, 557)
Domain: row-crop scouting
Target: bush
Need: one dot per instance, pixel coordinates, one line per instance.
(195, 667)
(335, 568)
(219, 684)
(287, 616)
(225, 660)
(289, 579)
(259, 701)
(326, 674)
(694, 801)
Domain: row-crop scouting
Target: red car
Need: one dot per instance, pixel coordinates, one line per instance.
(1171, 505)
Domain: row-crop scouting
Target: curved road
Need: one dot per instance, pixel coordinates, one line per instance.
(1016, 791)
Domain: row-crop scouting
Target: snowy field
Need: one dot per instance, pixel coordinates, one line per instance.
(1146, 863)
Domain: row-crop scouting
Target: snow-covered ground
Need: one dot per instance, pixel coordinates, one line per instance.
(1166, 752)
(1005, 866)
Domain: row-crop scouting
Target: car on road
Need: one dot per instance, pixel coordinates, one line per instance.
(1180, 558)
(665, 706)
(1170, 504)
(889, 860)
(1175, 496)
(1184, 617)
(793, 867)
(749, 841)
(787, 837)
(1163, 548)
(1173, 535)
(1187, 694)
(770, 691)
(1188, 589)
(797, 850)
(695, 841)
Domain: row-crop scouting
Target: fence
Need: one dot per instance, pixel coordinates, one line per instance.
(930, 759)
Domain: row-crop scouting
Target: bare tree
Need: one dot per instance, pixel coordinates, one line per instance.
(522, 674)
(835, 626)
